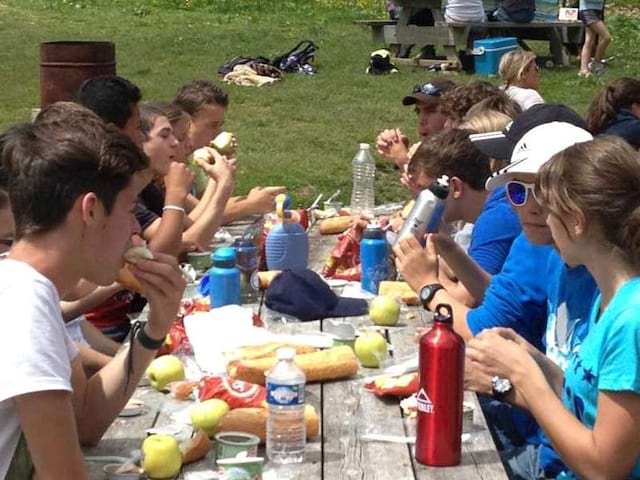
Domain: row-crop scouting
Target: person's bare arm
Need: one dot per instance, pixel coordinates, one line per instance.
(98, 340)
(419, 267)
(165, 233)
(92, 360)
(99, 399)
(97, 297)
(202, 203)
(259, 200)
(48, 423)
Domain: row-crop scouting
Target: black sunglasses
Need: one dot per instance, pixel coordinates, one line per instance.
(428, 89)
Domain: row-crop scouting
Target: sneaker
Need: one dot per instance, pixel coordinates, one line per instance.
(596, 67)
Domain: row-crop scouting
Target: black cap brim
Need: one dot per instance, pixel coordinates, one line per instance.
(420, 98)
(349, 307)
(493, 144)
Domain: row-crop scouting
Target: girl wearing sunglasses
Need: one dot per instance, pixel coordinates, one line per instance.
(590, 412)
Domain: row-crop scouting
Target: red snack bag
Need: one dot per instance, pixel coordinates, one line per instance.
(236, 393)
(401, 386)
(176, 339)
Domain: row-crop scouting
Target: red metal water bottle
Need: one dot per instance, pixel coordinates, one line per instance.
(440, 394)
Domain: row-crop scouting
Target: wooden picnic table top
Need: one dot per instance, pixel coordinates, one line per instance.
(346, 411)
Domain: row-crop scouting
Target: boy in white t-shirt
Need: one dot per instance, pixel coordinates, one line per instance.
(72, 186)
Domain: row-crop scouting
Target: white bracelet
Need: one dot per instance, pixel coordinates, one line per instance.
(173, 207)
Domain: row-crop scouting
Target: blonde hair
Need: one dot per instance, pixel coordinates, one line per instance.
(513, 64)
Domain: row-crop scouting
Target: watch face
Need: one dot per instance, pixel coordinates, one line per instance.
(426, 293)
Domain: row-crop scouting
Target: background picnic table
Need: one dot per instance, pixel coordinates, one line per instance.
(346, 412)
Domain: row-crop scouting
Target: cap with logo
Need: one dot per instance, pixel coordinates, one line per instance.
(429, 92)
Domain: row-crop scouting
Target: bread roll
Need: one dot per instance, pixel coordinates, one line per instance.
(399, 290)
(254, 421)
(195, 448)
(125, 277)
(335, 225)
(127, 280)
(203, 154)
(265, 278)
(266, 350)
(334, 363)
(224, 143)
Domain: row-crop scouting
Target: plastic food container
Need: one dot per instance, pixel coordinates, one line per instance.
(230, 444)
(199, 260)
(111, 468)
(242, 468)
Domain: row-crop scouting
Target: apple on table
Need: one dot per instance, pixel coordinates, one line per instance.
(206, 415)
(164, 370)
(371, 349)
(384, 311)
(162, 457)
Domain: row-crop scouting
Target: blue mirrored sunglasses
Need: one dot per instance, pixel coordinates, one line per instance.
(518, 192)
(428, 89)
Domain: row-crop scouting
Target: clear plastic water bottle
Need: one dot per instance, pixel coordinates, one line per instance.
(286, 430)
(364, 173)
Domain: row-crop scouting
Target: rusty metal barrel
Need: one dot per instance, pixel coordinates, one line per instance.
(65, 65)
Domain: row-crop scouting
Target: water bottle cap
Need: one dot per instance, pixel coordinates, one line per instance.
(443, 313)
(373, 231)
(440, 188)
(364, 146)
(224, 254)
(286, 353)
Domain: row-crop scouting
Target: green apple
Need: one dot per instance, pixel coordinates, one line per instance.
(206, 415)
(161, 456)
(371, 348)
(385, 311)
(164, 370)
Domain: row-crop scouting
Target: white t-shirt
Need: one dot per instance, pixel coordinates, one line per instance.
(74, 330)
(464, 11)
(525, 97)
(36, 352)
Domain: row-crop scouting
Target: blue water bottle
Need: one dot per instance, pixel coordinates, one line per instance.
(224, 278)
(287, 244)
(374, 261)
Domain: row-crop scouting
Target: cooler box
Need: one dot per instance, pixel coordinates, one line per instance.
(488, 52)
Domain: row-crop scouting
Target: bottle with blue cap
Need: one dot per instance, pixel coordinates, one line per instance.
(287, 245)
(224, 278)
(374, 258)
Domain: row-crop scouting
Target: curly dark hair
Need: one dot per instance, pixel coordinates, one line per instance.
(456, 102)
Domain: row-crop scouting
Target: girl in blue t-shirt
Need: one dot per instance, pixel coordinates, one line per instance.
(590, 413)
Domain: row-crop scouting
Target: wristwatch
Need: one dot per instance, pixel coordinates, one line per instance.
(500, 387)
(428, 292)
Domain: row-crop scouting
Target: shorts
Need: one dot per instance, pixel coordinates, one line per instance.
(591, 16)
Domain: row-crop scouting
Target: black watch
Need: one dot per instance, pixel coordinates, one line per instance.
(428, 292)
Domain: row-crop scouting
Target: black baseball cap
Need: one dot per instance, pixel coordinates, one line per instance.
(301, 293)
(500, 144)
(428, 92)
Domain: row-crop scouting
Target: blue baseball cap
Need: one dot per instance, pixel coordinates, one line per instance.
(301, 293)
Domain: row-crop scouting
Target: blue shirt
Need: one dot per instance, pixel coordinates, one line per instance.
(608, 359)
(571, 294)
(516, 297)
(494, 231)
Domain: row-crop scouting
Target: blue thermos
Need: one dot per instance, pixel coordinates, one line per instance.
(287, 244)
(224, 278)
(374, 263)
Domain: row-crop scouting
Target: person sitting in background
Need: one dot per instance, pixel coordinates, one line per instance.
(115, 100)
(591, 410)
(456, 102)
(496, 225)
(518, 11)
(464, 11)
(392, 144)
(207, 103)
(86, 183)
(497, 103)
(520, 77)
(161, 209)
(615, 110)
(596, 37)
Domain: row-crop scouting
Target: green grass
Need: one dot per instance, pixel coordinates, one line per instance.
(302, 132)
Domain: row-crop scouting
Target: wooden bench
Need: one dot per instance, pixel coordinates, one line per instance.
(442, 41)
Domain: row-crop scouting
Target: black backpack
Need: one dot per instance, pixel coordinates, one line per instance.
(298, 59)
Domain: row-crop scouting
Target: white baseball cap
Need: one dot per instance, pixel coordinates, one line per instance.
(536, 147)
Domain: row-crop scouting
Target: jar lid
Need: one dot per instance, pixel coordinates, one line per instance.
(224, 254)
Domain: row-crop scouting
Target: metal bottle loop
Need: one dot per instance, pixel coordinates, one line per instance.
(439, 316)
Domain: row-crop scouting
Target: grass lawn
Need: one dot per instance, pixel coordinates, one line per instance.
(301, 132)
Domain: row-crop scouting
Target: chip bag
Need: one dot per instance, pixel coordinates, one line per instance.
(399, 386)
(237, 393)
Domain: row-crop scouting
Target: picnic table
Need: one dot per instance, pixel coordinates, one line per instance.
(347, 411)
(441, 42)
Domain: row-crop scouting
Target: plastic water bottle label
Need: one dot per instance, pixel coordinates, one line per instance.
(285, 395)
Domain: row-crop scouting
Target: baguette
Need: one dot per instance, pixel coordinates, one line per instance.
(254, 421)
(331, 364)
(195, 448)
(400, 290)
(331, 226)
(266, 350)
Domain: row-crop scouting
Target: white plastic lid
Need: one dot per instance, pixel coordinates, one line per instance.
(286, 353)
(364, 146)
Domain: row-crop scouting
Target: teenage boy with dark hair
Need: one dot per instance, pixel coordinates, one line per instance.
(72, 193)
(115, 100)
(496, 225)
(206, 103)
